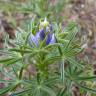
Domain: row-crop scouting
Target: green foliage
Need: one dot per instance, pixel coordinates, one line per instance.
(40, 8)
(56, 66)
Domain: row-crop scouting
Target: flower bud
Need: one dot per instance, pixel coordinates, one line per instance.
(45, 23)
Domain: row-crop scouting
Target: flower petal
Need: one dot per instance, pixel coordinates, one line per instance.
(51, 28)
(48, 39)
(53, 40)
(33, 41)
(42, 34)
(38, 35)
(47, 29)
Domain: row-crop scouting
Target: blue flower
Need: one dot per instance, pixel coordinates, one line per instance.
(45, 33)
(50, 39)
(39, 37)
(33, 40)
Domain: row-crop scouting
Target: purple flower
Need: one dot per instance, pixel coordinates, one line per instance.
(33, 40)
(44, 34)
(40, 36)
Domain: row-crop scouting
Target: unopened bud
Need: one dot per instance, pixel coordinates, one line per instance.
(45, 23)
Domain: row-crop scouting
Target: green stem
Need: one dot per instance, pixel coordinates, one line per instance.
(42, 69)
(62, 71)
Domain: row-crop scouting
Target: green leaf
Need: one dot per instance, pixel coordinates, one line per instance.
(72, 52)
(21, 92)
(86, 88)
(48, 90)
(6, 81)
(63, 35)
(86, 78)
(52, 81)
(61, 92)
(6, 60)
(52, 59)
(72, 29)
(10, 61)
(51, 46)
(75, 63)
(21, 51)
(63, 41)
(5, 90)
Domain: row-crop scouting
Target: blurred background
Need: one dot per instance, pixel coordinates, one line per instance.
(18, 13)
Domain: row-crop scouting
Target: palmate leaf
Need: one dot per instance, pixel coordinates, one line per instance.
(48, 90)
(5, 90)
(52, 81)
(37, 91)
(74, 62)
(77, 74)
(61, 92)
(72, 52)
(72, 31)
(34, 89)
(86, 88)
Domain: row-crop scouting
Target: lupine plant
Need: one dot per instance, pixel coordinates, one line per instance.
(43, 62)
